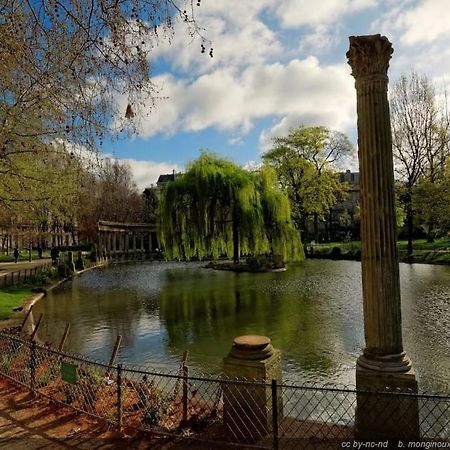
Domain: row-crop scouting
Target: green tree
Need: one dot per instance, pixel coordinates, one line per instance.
(150, 200)
(431, 202)
(302, 162)
(218, 208)
(74, 71)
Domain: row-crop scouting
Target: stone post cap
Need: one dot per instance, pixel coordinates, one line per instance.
(251, 347)
(369, 55)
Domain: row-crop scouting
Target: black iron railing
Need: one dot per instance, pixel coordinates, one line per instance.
(217, 410)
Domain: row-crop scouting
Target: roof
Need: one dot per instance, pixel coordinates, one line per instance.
(165, 178)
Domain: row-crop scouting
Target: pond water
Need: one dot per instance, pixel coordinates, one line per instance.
(312, 312)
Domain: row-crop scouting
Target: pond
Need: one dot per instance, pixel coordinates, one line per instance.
(312, 312)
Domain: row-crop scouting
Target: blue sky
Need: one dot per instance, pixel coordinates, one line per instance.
(276, 65)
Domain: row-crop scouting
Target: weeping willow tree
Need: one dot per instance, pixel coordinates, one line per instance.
(219, 209)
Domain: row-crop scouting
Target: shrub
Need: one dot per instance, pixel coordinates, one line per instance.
(336, 253)
(156, 407)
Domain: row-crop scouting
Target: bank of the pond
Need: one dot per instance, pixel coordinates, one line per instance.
(11, 299)
(424, 252)
(243, 267)
(15, 301)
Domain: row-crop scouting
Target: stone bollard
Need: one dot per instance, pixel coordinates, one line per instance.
(247, 409)
(69, 263)
(79, 265)
(93, 256)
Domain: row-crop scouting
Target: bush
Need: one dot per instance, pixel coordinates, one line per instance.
(336, 253)
(156, 407)
(257, 263)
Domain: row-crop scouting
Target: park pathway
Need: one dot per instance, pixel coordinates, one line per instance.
(6, 268)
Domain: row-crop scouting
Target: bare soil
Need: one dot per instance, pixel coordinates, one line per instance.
(28, 423)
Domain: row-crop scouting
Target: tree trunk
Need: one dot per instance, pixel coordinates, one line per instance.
(316, 227)
(410, 227)
(430, 233)
(235, 236)
(304, 230)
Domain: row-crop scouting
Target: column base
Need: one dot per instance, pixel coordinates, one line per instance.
(393, 363)
(380, 413)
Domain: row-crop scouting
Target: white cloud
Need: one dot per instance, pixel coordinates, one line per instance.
(296, 13)
(425, 23)
(419, 31)
(246, 33)
(228, 101)
(239, 38)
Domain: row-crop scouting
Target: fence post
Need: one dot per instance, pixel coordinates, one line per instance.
(274, 415)
(33, 367)
(119, 396)
(185, 393)
(33, 334)
(64, 337)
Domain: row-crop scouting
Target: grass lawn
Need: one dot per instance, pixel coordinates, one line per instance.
(437, 252)
(419, 244)
(10, 298)
(23, 256)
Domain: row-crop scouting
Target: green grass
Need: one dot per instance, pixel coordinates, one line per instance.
(23, 256)
(437, 252)
(422, 244)
(11, 298)
(419, 244)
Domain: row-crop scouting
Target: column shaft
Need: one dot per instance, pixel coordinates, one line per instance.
(381, 286)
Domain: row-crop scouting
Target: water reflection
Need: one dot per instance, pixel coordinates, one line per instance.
(312, 312)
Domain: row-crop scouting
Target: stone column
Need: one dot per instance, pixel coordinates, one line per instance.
(134, 243)
(127, 242)
(120, 241)
(383, 362)
(114, 240)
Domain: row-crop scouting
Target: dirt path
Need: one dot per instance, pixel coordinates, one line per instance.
(7, 267)
(28, 423)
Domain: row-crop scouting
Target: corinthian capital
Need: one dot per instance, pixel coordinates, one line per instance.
(369, 55)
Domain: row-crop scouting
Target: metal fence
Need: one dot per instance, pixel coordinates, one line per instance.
(222, 411)
(23, 275)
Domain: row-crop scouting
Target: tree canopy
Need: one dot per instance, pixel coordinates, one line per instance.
(302, 161)
(71, 66)
(74, 72)
(218, 208)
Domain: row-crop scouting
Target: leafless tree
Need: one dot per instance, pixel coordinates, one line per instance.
(420, 134)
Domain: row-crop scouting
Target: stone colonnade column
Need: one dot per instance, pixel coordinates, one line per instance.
(121, 239)
(100, 244)
(369, 58)
(383, 362)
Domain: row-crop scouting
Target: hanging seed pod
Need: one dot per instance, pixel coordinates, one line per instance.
(129, 113)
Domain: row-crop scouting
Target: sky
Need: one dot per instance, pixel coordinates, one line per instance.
(276, 65)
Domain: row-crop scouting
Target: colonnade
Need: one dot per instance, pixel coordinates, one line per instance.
(117, 239)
